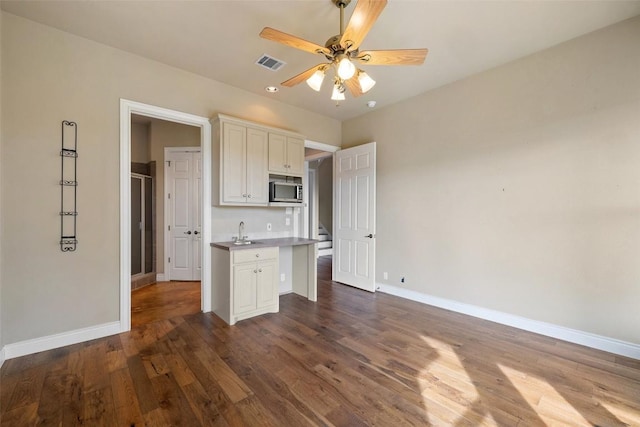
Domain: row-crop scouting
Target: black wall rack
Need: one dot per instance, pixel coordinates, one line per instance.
(69, 187)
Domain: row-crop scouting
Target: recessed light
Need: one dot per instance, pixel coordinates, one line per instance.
(271, 89)
(371, 104)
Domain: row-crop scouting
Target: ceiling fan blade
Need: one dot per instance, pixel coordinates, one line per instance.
(354, 86)
(364, 16)
(293, 41)
(393, 57)
(302, 76)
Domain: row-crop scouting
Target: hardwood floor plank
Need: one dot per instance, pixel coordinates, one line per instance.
(125, 400)
(351, 359)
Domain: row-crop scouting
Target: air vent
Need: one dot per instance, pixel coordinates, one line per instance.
(270, 63)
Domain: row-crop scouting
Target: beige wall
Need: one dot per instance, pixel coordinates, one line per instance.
(49, 76)
(1, 222)
(518, 189)
(325, 193)
(140, 150)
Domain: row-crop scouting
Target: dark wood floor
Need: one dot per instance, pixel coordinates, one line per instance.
(352, 359)
(164, 300)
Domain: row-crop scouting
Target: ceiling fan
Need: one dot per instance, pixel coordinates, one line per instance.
(343, 50)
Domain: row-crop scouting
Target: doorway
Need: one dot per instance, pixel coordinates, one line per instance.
(318, 195)
(127, 109)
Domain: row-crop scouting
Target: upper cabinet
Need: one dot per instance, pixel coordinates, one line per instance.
(286, 154)
(246, 153)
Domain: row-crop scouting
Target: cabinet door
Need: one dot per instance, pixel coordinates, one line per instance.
(244, 287)
(257, 174)
(234, 174)
(295, 156)
(277, 153)
(267, 285)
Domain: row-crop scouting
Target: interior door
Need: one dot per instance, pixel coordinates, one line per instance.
(354, 192)
(183, 178)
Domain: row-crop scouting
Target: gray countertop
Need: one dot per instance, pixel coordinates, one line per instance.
(265, 243)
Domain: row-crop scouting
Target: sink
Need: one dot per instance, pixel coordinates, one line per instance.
(245, 242)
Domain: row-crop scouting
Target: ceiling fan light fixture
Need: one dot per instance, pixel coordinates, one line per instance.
(346, 69)
(316, 79)
(338, 92)
(366, 82)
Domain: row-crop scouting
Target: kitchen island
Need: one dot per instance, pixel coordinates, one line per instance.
(244, 278)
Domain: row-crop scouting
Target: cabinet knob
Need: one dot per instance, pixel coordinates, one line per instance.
(244, 195)
(259, 270)
(249, 195)
(187, 232)
(255, 271)
(196, 232)
(257, 255)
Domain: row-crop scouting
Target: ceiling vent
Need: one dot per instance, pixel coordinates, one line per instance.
(270, 63)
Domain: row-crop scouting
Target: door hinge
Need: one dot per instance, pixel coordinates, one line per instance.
(168, 228)
(169, 163)
(169, 195)
(169, 259)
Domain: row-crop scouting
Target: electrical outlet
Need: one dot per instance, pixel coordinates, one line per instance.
(283, 277)
(385, 275)
(268, 226)
(402, 279)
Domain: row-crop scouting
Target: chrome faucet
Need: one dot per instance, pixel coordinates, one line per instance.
(241, 235)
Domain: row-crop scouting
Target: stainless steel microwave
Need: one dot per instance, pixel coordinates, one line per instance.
(289, 192)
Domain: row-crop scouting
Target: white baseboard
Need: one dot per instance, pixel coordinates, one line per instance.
(1, 356)
(588, 339)
(49, 342)
(160, 277)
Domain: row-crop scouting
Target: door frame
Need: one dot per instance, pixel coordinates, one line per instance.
(127, 108)
(167, 211)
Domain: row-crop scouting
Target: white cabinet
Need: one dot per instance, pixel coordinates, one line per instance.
(244, 176)
(286, 154)
(245, 153)
(246, 283)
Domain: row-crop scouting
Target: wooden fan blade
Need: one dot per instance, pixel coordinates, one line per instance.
(393, 57)
(364, 16)
(354, 86)
(293, 41)
(302, 76)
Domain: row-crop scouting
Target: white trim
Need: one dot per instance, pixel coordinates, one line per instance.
(160, 277)
(127, 108)
(320, 146)
(588, 339)
(1, 357)
(49, 342)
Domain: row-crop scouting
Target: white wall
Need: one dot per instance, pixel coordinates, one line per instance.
(518, 189)
(49, 76)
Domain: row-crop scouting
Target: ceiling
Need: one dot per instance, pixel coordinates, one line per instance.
(219, 39)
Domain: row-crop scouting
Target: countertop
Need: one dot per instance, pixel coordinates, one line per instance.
(265, 243)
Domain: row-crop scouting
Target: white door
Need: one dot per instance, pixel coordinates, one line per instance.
(183, 172)
(354, 222)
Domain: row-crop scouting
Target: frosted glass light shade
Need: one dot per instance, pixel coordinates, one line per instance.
(338, 93)
(316, 79)
(366, 82)
(346, 69)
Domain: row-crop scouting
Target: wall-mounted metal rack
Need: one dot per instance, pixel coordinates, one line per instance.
(69, 187)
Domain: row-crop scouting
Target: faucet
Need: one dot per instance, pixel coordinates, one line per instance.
(241, 235)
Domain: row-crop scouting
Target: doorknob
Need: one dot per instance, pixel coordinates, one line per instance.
(187, 232)
(369, 236)
(196, 232)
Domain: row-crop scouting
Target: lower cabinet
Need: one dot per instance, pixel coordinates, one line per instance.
(250, 283)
